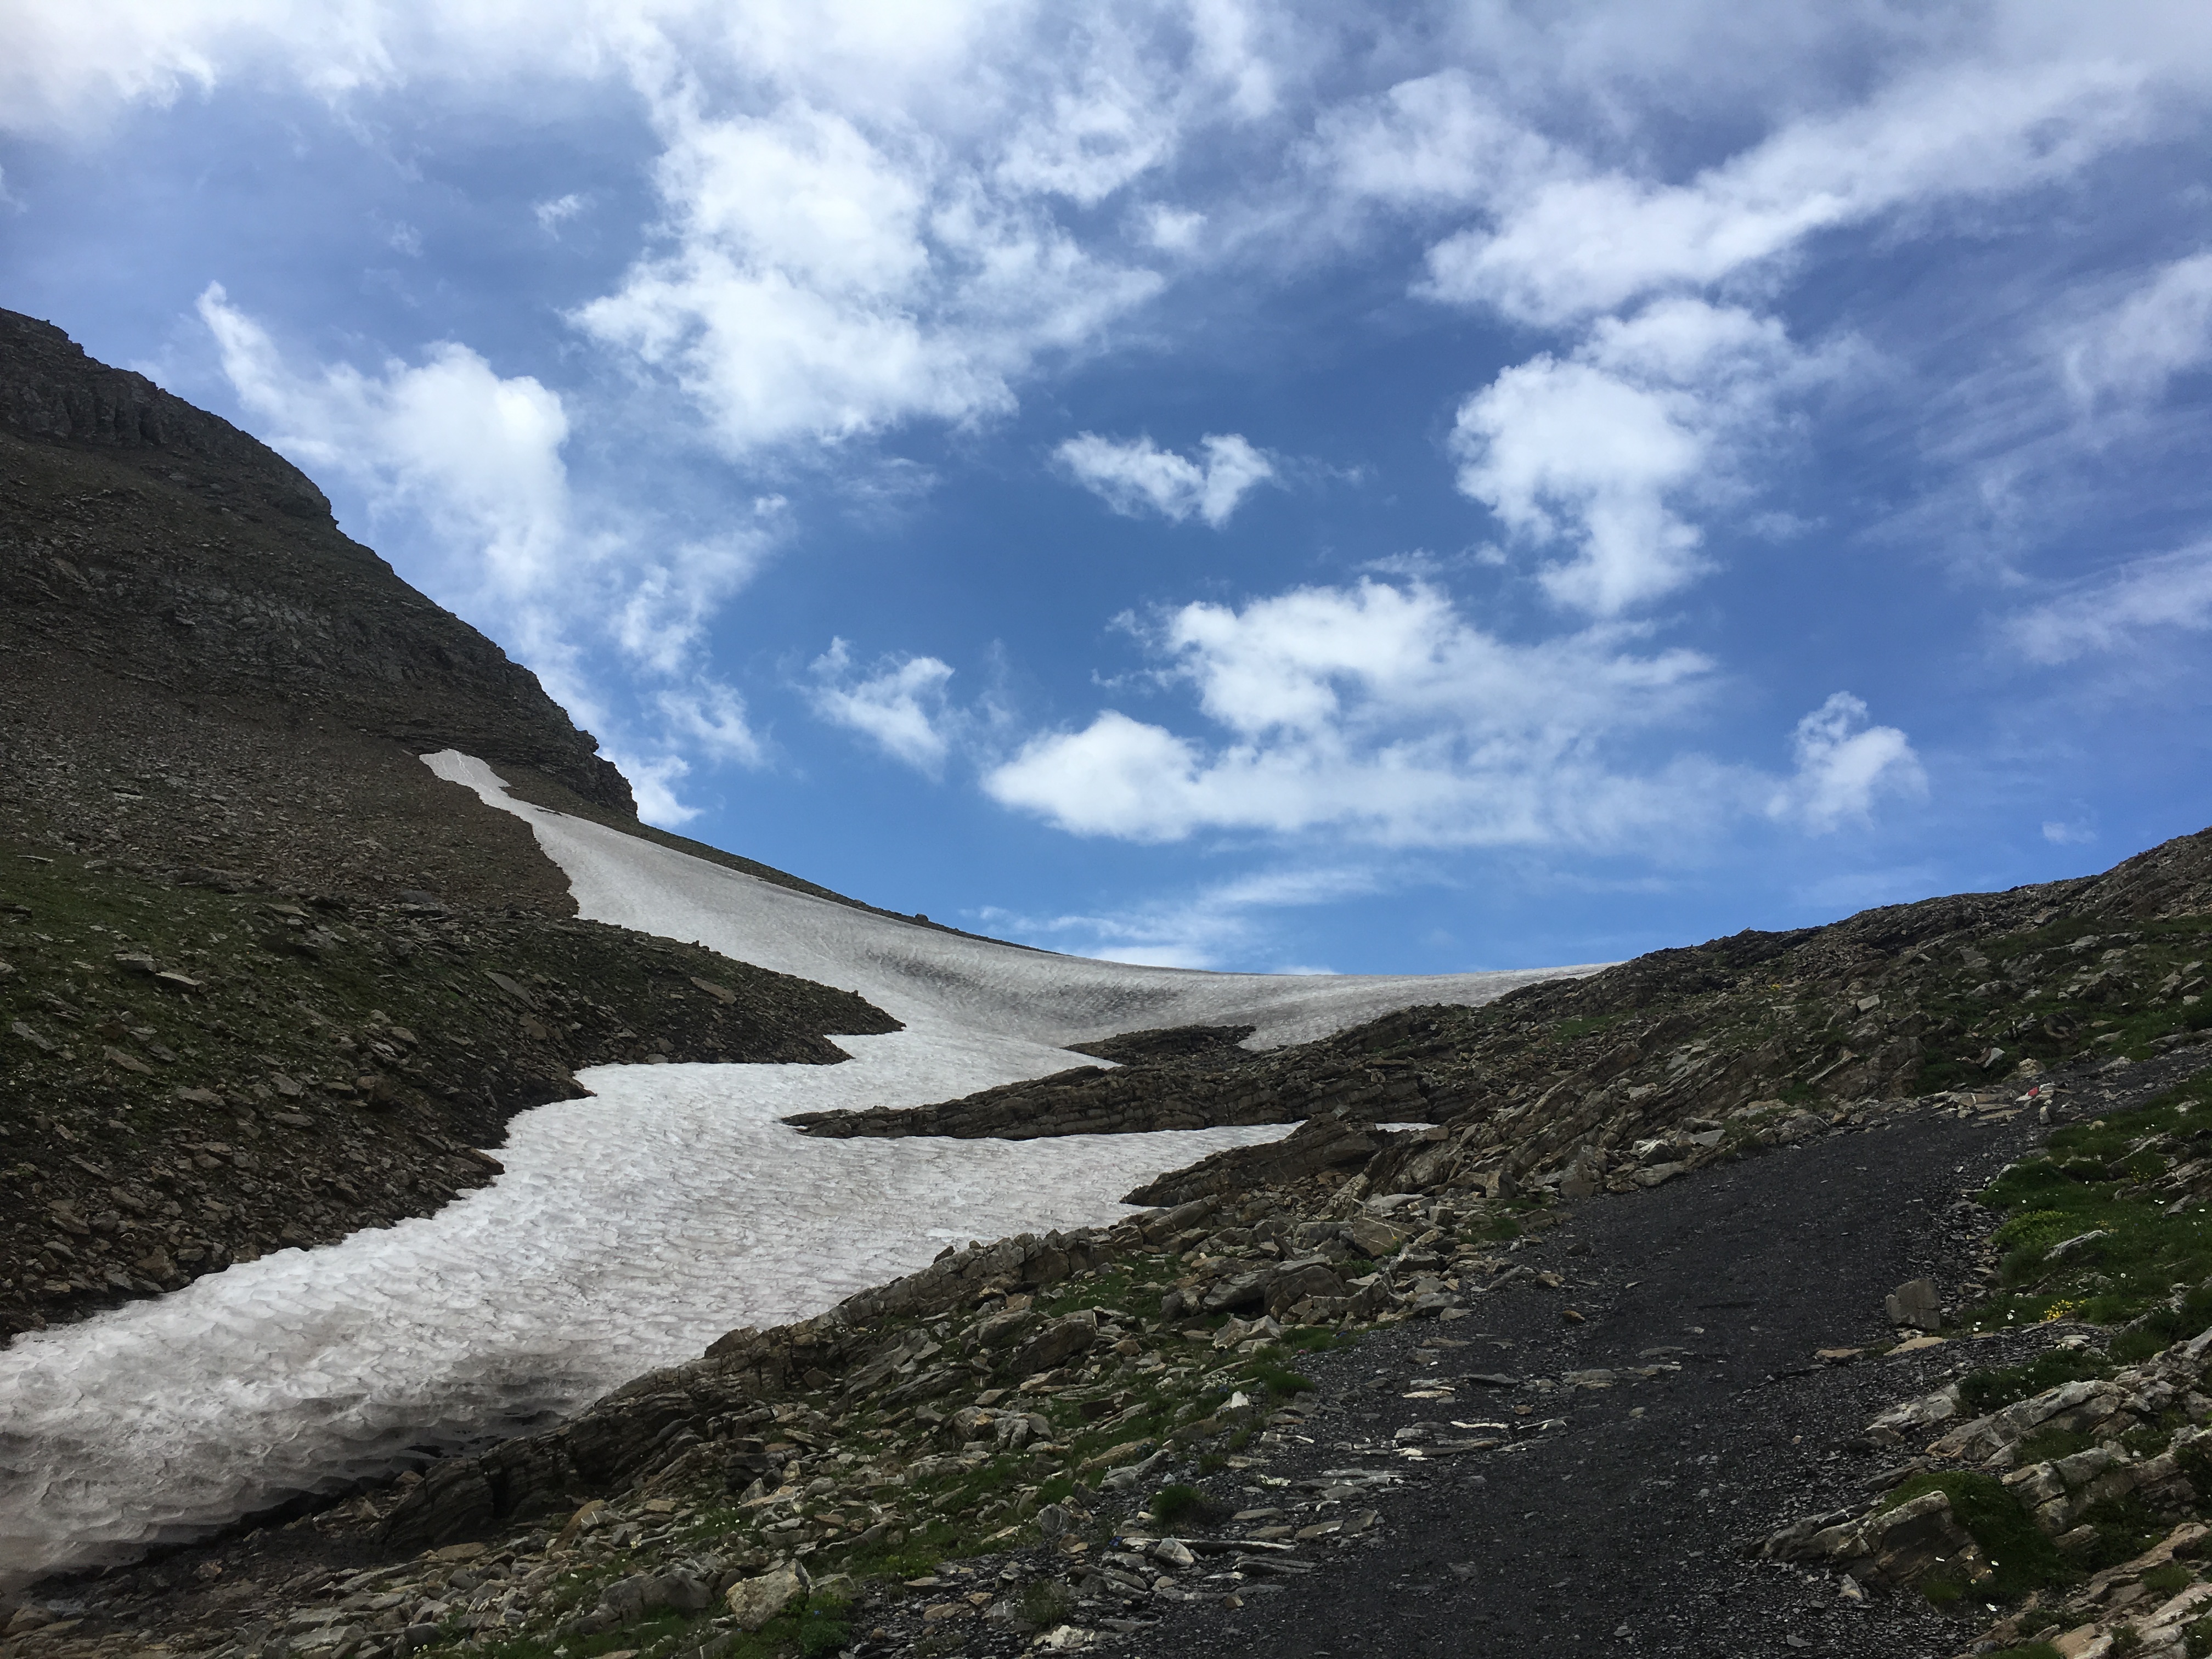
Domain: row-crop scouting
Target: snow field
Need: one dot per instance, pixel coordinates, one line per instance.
(630, 1228)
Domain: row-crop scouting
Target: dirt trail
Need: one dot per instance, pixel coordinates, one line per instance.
(1622, 1530)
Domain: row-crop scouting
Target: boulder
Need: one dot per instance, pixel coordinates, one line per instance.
(1056, 1344)
(753, 1601)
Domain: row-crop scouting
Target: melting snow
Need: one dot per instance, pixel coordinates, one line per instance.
(630, 1228)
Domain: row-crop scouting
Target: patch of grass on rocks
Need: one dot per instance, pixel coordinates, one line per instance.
(2112, 1225)
(2021, 1558)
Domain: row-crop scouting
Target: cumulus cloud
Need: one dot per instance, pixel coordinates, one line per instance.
(901, 706)
(466, 465)
(1377, 711)
(1596, 451)
(2116, 611)
(1843, 765)
(1136, 475)
(477, 454)
(1380, 715)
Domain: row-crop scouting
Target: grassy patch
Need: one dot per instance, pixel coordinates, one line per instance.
(2093, 1179)
(2075, 1012)
(1046, 1602)
(2124, 1530)
(1278, 1378)
(1983, 1392)
(2021, 1559)
(2169, 1578)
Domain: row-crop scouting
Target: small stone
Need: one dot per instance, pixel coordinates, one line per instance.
(1571, 1316)
(1916, 1303)
(131, 963)
(1372, 1238)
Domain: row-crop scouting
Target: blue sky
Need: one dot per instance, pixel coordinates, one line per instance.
(1242, 486)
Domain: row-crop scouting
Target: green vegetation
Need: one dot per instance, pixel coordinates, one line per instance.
(1046, 1602)
(1278, 1378)
(1982, 1392)
(2148, 1268)
(2084, 1006)
(1173, 1504)
(2021, 1559)
(2169, 1578)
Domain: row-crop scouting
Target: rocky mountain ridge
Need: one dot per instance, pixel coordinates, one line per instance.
(264, 980)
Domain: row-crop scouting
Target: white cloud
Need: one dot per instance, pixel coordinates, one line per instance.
(1377, 712)
(1380, 716)
(552, 215)
(1219, 924)
(2116, 611)
(901, 707)
(712, 717)
(652, 780)
(1435, 142)
(1843, 766)
(826, 284)
(2162, 329)
(2059, 833)
(1570, 242)
(473, 461)
(1597, 451)
(1172, 230)
(477, 454)
(1137, 474)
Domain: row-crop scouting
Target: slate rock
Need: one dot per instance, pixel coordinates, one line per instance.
(1916, 1303)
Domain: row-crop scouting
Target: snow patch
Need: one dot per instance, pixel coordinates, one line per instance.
(631, 1228)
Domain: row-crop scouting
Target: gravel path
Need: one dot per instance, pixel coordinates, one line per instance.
(1622, 1530)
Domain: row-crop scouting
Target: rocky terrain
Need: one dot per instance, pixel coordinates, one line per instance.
(1649, 1069)
(1309, 1416)
(1845, 1291)
(265, 979)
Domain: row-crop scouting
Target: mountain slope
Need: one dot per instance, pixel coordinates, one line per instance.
(254, 957)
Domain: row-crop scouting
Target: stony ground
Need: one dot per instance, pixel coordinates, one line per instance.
(1543, 1427)
(191, 1077)
(266, 979)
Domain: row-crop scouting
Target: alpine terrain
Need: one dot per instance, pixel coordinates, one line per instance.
(441, 1214)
